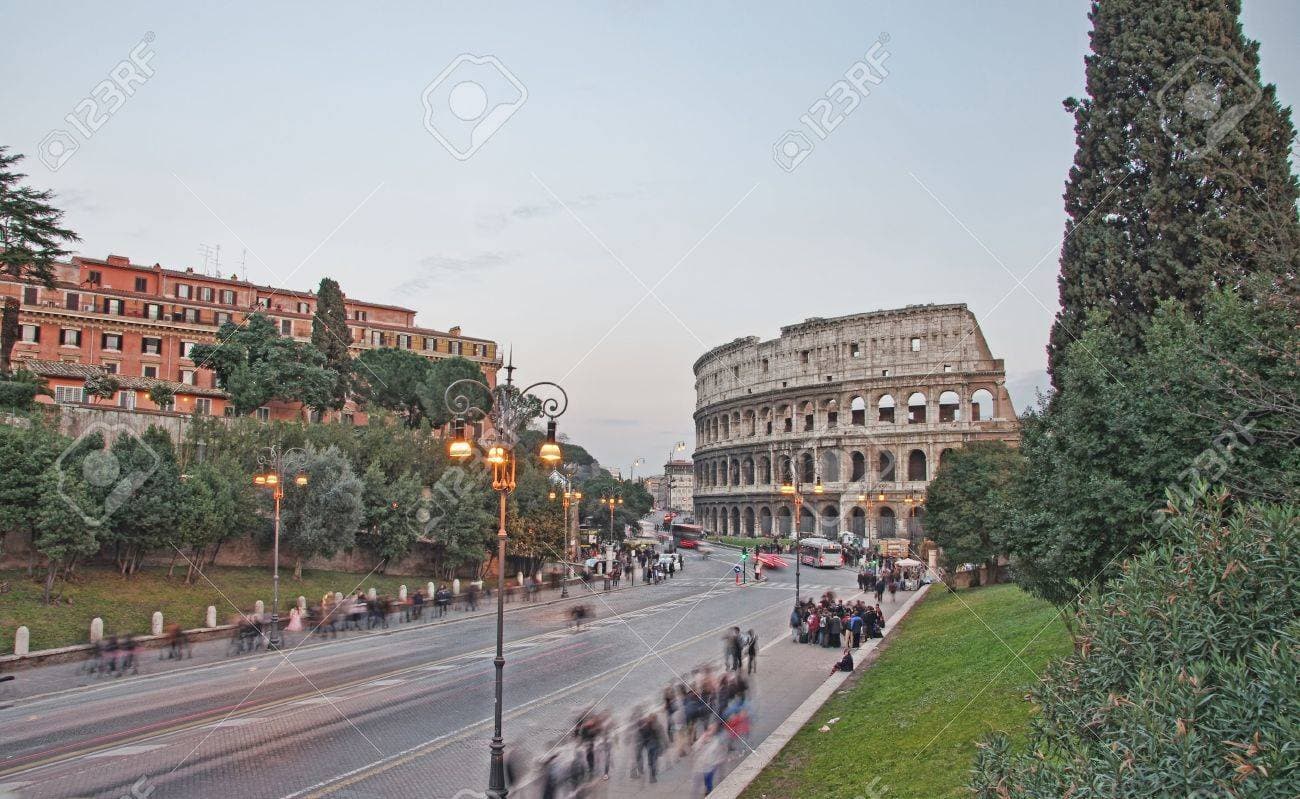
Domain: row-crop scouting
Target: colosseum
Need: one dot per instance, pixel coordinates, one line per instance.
(859, 410)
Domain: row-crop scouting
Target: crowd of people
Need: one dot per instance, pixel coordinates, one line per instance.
(888, 575)
(700, 720)
(831, 623)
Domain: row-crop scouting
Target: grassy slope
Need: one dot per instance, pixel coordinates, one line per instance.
(127, 604)
(942, 657)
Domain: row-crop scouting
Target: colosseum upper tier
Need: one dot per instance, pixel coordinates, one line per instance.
(858, 409)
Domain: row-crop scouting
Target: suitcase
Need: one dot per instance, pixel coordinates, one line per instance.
(803, 636)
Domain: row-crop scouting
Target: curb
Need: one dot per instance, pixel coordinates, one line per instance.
(748, 769)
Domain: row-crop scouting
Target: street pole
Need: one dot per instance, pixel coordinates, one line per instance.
(273, 640)
(497, 773)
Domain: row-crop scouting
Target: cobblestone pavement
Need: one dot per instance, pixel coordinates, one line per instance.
(408, 713)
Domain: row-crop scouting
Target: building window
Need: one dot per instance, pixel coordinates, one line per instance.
(263, 414)
(142, 284)
(150, 346)
(109, 367)
(72, 301)
(187, 377)
(29, 295)
(349, 418)
(153, 310)
(184, 291)
(95, 278)
(947, 367)
(304, 307)
(70, 337)
(286, 327)
(222, 318)
(376, 338)
(111, 341)
(69, 394)
(187, 347)
(31, 334)
(227, 297)
(803, 356)
(126, 399)
(916, 345)
(854, 350)
(359, 316)
(206, 293)
(203, 406)
(458, 348)
(191, 315)
(112, 306)
(404, 341)
(149, 370)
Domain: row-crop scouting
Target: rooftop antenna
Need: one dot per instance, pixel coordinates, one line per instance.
(510, 367)
(205, 251)
(243, 265)
(216, 262)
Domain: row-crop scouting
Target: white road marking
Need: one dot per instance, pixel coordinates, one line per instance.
(123, 751)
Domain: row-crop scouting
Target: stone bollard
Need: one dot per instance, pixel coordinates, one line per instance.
(22, 641)
(338, 596)
(155, 623)
(455, 587)
(401, 592)
(372, 594)
(429, 589)
(521, 579)
(210, 618)
(259, 608)
(96, 630)
(302, 604)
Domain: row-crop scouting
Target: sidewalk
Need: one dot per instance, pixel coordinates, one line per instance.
(36, 679)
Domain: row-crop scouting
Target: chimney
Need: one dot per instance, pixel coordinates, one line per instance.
(455, 331)
(117, 260)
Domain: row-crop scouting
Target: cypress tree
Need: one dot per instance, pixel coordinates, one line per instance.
(1181, 180)
(330, 335)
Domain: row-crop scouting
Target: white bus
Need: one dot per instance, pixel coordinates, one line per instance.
(821, 552)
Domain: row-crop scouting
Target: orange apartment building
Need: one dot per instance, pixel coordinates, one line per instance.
(140, 322)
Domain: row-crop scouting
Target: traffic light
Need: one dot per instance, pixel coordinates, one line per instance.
(744, 553)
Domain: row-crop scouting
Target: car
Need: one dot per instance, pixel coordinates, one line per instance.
(688, 543)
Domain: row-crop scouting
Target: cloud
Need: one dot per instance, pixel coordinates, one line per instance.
(435, 269)
(1025, 386)
(497, 221)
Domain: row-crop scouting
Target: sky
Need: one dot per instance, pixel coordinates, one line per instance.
(596, 186)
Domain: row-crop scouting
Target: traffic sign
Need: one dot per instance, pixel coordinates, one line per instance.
(736, 569)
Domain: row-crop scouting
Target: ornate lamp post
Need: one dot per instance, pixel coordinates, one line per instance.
(611, 503)
(272, 460)
(568, 497)
(507, 413)
(794, 490)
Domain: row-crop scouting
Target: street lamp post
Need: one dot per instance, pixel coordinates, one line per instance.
(568, 497)
(507, 412)
(272, 459)
(611, 503)
(794, 490)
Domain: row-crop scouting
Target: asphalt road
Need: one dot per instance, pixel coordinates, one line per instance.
(406, 713)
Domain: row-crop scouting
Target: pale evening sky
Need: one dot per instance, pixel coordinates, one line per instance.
(641, 158)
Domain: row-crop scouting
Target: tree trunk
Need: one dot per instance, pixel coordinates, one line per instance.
(297, 568)
(8, 333)
(213, 560)
(49, 582)
(171, 567)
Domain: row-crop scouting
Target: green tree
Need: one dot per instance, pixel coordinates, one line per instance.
(26, 454)
(255, 365)
(102, 386)
(218, 505)
(1185, 680)
(458, 519)
(162, 395)
(968, 505)
(148, 496)
(32, 239)
(330, 335)
(1181, 180)
(62, 533)
(391, 522)
(1206, 399)
(391, 378)
(323, 516)
(445, 372)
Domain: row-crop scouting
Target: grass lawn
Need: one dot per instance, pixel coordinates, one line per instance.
(126, 605)
(906, 721)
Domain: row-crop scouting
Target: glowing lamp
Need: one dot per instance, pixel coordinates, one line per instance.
(550, 451)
